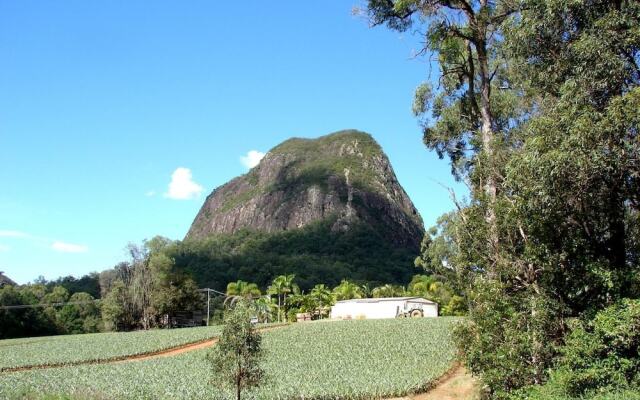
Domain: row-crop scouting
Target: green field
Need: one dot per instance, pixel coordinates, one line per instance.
(322, 360)
(95, 346)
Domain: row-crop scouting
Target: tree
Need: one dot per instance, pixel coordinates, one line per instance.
(26, 321)
(265, 308)
(432, 288)
(147, 287)
(81, 317)
(388, 290)
(282, 286)
(116, 308)
(323, 299)
(235, 359)
(347, 290)
(471, 116)
(142, 282)
(599, 356)
(548, 142)
(575, 178)
(242, 289)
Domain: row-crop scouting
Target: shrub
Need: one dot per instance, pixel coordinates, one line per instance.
(599, 360)
(603, 352)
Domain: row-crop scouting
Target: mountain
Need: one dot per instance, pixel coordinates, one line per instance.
(4, 280)
(324, 209)
(344, 176)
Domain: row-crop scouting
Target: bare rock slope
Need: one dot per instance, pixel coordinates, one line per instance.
(344, 176)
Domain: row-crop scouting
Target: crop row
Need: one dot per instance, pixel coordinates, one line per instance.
(332, 360)
(96, 346)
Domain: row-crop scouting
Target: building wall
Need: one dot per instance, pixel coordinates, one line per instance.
(385, 309)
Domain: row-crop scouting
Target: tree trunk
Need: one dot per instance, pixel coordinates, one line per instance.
(490, 185)
(617, 246)
(536, 344)
(284, 304)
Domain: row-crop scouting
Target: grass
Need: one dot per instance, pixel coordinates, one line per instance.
(366, 359)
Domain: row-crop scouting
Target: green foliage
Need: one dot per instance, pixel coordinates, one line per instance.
(315, 254)
(599, 358)
(552, 391)
(243, 289)
(434, 289)
(347, 290)
(282, 286)
(604, 351)
(82, 317)
(318, 360)
(48, 320)
(235, 359)
(85, 284)
(141, 292)
(323, 158)
(388, 291)
(266, 308)
(115, 308)
(503, 333)
(548, 143)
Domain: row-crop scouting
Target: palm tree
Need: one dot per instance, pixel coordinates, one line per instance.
(282, 286)
(366, 290)
(322, 297)
(347, 290)
(388, 291)
(242, 290)
(264, 308)
(430, 288)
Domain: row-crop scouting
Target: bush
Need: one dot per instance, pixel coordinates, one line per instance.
(603, 352)
(600, 359)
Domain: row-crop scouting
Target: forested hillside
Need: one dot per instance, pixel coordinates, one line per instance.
(315, 254)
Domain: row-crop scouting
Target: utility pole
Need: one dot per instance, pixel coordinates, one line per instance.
(208, 290)
(208, 305)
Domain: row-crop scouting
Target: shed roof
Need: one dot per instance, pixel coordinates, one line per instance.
(384, 299)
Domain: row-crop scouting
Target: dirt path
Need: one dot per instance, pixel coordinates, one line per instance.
(457, 384)
(173, 351)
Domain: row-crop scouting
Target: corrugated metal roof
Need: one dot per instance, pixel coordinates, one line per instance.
(383, 299)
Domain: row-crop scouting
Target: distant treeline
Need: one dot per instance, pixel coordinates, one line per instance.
(162, 277)
(315, 253)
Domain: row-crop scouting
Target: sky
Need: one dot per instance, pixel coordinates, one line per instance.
(118, 118)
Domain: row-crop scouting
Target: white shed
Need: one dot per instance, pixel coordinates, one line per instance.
(385, 307)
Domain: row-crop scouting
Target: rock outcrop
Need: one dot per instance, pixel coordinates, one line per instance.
(4, 280)
(345, 176)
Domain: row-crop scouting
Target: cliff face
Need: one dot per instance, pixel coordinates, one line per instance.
(344, 175)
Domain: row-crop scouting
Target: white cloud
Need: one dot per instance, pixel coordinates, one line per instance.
(69, 247)
(4, 248)
(150, 193)
(182, 186)
(252, 158)
(13, 234)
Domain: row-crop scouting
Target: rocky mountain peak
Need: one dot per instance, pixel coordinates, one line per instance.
(344, 176)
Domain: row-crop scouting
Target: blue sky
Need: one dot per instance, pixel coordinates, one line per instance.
(102, 102)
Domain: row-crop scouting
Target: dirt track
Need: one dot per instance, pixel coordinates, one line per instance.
(173, 351)
(457, 384)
